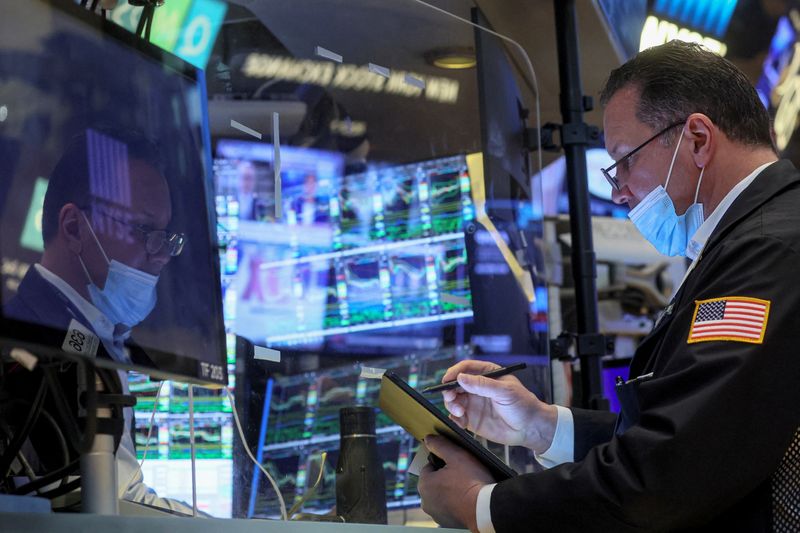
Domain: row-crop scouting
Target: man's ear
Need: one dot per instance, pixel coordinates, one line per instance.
(70, 227)
(703, 136)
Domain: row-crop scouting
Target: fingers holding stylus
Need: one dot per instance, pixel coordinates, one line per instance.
(468, 367)
(453, 396)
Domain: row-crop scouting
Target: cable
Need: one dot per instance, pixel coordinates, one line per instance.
(147, 14)
(140, 24)
(312, 490)
(26, 466)
(147, 29)
(6, 435)
(146, 444)
(282, 503)
(65, 414)
(19, 438)
(528, 64)
(191, 447)
(145, 21)
(43, 481)
(62, 440)
(62, 489)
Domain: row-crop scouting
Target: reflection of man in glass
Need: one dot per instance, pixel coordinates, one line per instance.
(246, 192)
(104, 226)
(309, 207)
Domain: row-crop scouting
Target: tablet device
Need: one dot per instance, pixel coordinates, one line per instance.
(418, 416)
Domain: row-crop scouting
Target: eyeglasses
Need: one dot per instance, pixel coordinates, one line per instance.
(612, 179)
(155, 239)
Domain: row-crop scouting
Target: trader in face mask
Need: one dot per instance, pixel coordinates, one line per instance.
(663, 190)
(655, 216)
(716, 378)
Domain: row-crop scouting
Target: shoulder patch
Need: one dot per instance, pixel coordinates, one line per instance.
(732, 318)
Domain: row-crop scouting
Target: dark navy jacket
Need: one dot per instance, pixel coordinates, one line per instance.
(715, 443)
(39, 302)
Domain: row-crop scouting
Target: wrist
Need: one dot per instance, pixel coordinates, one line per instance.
(471, 520)
(541, 432)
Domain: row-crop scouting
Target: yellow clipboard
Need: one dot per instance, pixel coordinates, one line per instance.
(421, 418)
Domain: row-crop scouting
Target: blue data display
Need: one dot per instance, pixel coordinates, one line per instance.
(709, 16)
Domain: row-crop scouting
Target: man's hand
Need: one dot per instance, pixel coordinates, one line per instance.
(450, 494)
(501, 410)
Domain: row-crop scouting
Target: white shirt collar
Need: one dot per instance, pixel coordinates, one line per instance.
(699, 239)
(101, 325)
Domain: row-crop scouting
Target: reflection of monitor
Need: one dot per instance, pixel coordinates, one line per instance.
(505, 245)
(168, 466)
(379, 250)
(505, 156)
(300, 419)
(67, 103)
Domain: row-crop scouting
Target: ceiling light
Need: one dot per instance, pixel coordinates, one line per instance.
(452, 58)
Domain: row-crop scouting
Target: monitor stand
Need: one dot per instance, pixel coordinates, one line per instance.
(99, 472)
(99, 487)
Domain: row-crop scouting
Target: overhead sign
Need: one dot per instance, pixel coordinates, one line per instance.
(351, 77)
(657, 31)
(187, 28)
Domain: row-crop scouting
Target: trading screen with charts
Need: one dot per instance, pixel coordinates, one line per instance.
(333, 255)
(300, 420)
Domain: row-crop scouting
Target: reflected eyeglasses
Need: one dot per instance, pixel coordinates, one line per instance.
(155, 239)
(612, 178)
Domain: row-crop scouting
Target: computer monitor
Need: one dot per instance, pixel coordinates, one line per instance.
(348, 256)
(168, 464)
(300, 420)
(78, 90)
(505, 246)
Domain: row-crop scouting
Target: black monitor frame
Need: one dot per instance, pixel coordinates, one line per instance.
(501, 308)
(44, 341)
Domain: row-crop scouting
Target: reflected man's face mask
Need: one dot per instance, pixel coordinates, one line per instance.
(128, 295)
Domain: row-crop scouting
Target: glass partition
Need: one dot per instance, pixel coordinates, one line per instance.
(374, 207)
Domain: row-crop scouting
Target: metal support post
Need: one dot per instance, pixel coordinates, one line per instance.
(575, 135)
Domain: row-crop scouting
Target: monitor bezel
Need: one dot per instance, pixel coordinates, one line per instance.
(46, 340)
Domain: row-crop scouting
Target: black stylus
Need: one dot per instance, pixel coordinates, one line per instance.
(496, 373)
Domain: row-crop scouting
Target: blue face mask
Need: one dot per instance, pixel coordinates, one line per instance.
(656, 219)
(128, 295)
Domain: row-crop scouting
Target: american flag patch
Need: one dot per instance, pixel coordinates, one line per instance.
(734, 318)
